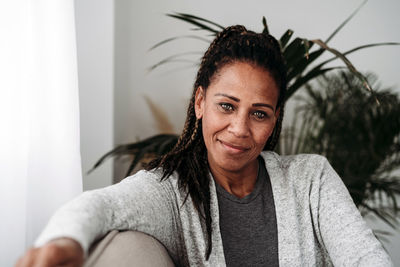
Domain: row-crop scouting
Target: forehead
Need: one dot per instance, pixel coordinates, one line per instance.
(245, 80)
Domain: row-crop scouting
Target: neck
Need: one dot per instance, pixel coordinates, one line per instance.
(238, 183)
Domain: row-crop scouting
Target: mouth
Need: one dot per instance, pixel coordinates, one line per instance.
(233, 148)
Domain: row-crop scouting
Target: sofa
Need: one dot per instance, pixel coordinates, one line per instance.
(128, 248)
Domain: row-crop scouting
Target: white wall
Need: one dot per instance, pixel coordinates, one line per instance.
(95, 32)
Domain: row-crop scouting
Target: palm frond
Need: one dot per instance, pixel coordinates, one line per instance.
(178, 38)
(301, 81)
(198, 22)
(174, 58)
(285, 38)
(346, 61)
(345, 21)
(385, 216)
(155, 145)
(360, 48)
(360, 138)
(264, 22)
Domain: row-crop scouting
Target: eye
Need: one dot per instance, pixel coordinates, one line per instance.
(226, 107)
(260, 115)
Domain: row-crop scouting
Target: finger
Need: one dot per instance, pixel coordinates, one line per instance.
(19, 262)
(28, 259)
(74, 251)
(60, 252)
(50, 255)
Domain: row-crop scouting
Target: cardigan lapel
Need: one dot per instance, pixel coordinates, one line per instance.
(217, 257)
(285, 207)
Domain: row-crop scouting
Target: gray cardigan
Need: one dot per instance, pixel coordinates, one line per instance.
(318, 223)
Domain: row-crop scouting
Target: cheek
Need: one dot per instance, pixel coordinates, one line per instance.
(212, 123)
(261, 134)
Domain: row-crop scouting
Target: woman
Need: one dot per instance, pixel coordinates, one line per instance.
(221, 196)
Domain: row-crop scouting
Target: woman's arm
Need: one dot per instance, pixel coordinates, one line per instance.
(346, 236)
(58, 252)
(139, 202)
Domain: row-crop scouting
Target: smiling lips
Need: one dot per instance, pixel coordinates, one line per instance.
(233, 148)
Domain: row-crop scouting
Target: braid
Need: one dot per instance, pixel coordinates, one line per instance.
(189, 156)
(274, 138)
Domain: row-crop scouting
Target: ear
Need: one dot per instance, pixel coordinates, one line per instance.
(199, 102)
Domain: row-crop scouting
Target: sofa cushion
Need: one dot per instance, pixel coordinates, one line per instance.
(128, 248)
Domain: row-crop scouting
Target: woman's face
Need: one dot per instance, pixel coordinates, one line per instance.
(238, 112)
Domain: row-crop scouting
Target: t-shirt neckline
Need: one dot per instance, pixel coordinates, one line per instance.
(261, 175)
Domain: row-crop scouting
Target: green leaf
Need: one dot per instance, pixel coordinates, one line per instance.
(136, 159)
(306, 48)
(382, 235)
(264, 21)
(346, 61)
(178, 37)
(303, 80)
(194, 21)
(384, 216)
(345, 21)
(190, 16)
(344, 106)
(298, 67)
(294, 52)
(174, 58)
(115, 152)
(148, 145)
(285, 38)
(361, 47)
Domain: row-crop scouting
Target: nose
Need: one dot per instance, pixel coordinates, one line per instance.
(239, 125)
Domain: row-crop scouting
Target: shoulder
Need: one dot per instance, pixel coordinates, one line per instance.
(152, 180)
(299, 172)
(297, 163)
(150, 176)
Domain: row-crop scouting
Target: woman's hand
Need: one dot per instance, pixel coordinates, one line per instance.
(59, 252)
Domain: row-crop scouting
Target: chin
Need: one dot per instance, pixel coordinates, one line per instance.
(232, 165)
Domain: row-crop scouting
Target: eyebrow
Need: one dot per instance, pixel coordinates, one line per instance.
(238, 100)
(228, 96)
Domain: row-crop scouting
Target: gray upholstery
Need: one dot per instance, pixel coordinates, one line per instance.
(129, 248)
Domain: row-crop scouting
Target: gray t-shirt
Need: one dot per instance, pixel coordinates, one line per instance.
(248, 225)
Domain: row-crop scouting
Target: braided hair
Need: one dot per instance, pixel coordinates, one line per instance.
(189, 156)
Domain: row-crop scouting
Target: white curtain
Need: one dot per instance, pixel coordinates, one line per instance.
(40, 166)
